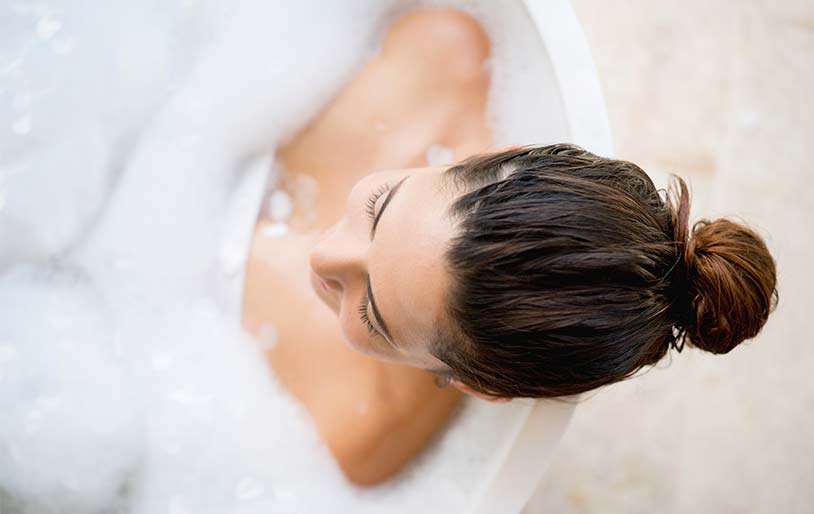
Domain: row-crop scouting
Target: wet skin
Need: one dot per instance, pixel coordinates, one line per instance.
(370, 396)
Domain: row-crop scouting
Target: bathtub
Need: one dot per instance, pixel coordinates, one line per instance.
(520, 465)
(122, 128)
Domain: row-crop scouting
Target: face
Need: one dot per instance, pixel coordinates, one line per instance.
(380, 268)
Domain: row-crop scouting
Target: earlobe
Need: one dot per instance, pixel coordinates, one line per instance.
(471, 392)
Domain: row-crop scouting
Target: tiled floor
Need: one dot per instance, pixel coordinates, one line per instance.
(721, 93)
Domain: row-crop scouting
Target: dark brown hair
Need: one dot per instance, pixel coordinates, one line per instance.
(571, 271)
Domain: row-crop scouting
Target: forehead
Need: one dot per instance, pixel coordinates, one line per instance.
(406, 261)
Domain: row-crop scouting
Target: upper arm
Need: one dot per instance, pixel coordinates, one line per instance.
(380, 435)
(451, 39)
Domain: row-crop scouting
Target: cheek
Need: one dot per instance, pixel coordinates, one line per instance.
(359, 194)
(356, 198)
(353, 331)
(355, 334)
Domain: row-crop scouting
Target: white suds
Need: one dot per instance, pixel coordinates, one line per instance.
(279, 205)
(124, 385)
(438, 155)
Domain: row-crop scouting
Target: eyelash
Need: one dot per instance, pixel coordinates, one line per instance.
(370, 205)
(365, 319)
(370, 209)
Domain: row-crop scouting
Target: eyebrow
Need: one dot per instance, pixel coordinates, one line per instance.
(376, 313)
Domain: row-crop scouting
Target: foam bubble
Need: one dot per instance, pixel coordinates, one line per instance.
(124, 385)
(69, 418)
(276, 229)
(438, 155)
(48, 26)
(279, 205)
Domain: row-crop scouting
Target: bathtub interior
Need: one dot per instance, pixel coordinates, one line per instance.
(124, 132)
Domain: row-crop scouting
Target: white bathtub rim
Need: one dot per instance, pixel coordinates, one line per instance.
(578, 80)
(521, 462)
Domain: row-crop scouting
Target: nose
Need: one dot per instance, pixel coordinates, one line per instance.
(339, 258)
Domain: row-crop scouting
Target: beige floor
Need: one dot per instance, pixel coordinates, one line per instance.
(723, 93)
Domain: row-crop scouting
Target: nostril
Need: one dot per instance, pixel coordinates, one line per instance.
(333, 284)
(322, 270)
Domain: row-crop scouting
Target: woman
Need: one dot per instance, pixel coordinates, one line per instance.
(527, 272)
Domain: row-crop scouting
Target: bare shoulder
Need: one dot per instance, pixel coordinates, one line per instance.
(385, 430)
(449, 38)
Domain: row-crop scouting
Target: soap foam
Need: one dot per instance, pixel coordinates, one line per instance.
(124, 386)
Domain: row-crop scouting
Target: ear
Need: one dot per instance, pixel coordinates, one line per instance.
(471, 392)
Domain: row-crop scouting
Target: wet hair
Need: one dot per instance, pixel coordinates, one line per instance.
(571, 271)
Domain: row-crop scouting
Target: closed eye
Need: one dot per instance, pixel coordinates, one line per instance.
(370, 205)
(370, 209)
(365, 318)
(368, 298)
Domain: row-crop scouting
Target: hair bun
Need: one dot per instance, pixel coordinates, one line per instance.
(730, 286)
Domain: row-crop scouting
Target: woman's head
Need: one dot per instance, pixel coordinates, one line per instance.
(381, 267)
(543, 272)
